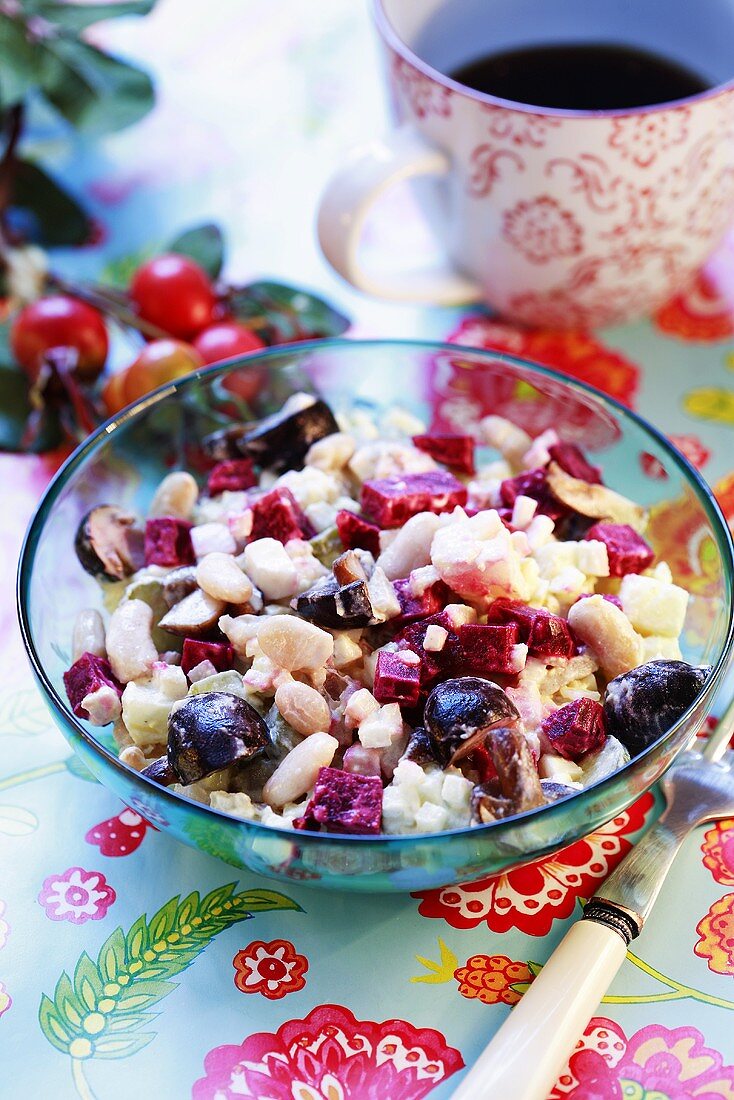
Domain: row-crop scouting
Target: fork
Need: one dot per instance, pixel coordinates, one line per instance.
(523, 1060)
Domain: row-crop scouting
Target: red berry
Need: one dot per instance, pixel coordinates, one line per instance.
(175, 294)
(60, 322)
(159, 362)
(225, 341)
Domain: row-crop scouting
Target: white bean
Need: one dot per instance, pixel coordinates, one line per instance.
(221, 577)
(332, 452)
(411, 547)
(303, 708)
(134, 758)
(175, 496)
(608, 633)
(297, 772)
(88, 636)
(294, 643)
(129, 645)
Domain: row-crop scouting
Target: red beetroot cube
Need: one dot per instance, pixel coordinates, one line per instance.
(168, 542)
(534, 484)
(575, 729)
(194, 652)
(430, 602)
(87, 675)
(278, 515)
(435, 663)
(456, 451)
(344, 802)
(627, 551)
(232, 476)
(573, 461)
(391, 501)
(357, 533)
(545, 635)
(485, 650)
(395, 681)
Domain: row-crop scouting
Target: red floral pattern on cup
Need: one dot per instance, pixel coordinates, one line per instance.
(272, 969)
(531, 897)
(641, 137)
(519, 127)
(423, 95)
(119, 836)
(656, 1062)
(76, 895)
(542, 230)
(330, 1055)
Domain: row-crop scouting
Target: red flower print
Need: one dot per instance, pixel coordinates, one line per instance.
(5, 999)
(76, 896)
(641, 137)
(330, 1055)
(704, 312)
(716, 930)
(656, 1061)
(492, 979)
(724, 493)
(272, 969)
(119, 836)
(530, 898)
(691, 448)
(652, 467)
(542, 230)
(424, 95)
(519, 127)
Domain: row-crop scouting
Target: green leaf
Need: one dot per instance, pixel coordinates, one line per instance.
(76, 767)
(129, 1021)
(59, 218)
(111, 958)
(204, 244)
(51, 1026)
(142, 994)
(282, 314)
(122, 1046)
(93, 91)
(22, 713)
(17, 821)
(187, 909)
(77, 17)
(87, 982)
(18, 62)
(119, 271)
(67, 1005)
(164, 921)
(261, 901)
(216, 898)
(136, 940)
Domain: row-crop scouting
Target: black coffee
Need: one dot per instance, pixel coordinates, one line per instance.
(581, 77)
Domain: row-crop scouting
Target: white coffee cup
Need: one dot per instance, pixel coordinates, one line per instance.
(561, 218)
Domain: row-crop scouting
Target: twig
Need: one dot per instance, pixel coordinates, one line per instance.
(107, 303)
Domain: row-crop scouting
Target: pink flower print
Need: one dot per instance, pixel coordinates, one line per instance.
(542, 230)
(424, 96)
(4, 926)
(519, 127)
(640, 138)
(330, 1055)
(5, 999)
(76, 896)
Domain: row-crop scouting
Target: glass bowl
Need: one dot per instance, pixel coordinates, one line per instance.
(451, 387)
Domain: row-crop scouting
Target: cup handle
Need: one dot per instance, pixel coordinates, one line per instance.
(347, 202)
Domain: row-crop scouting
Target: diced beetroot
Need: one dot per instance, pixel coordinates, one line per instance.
(433, 664)
(391, 501)
(484, 650)
(233, 475)
(412, 607)
(194, 652)
(534, 484)
(87, 675)
(168, 542)
(396, 682)
(456, 451)
(576, 729)
(357, 533)
(573, 461)
(627, 551)
(278, 515)
(344, 802)
(605, 596)
(545, 635)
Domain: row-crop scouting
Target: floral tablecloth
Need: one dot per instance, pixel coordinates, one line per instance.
(129, 965)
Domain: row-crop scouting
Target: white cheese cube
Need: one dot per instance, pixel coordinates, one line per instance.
(456, 791)
(146, 704)
(430, 818)
(652, 606)
(380, 729)
(210, 538)
(269, 567)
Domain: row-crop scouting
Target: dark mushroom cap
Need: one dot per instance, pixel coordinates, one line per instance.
(461, 711)
(108, 544)
(337, 608)
(640, 705)
(281, 441)
(212, 730)
(160, 771)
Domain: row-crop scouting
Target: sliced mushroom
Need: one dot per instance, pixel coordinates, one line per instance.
(160, 771)
(347, 568)
(179, 583)
(281, 441)
(517, 776)
(211, 731)
(552, 790)
(194, 616)
(336, 608)
(595, 501)
(108, 544)
(460, 712)
(419, 748)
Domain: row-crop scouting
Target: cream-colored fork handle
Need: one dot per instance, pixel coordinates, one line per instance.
(528, 1052)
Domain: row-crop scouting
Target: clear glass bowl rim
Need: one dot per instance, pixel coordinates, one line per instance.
(705, 496)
